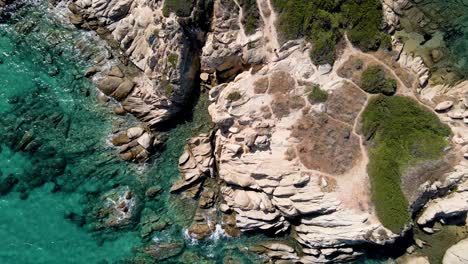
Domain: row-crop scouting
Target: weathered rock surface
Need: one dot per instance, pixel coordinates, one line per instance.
(135, 144)
(454, 204)
(196, 162)
(161, 48)
(270, 176)
(457, 254)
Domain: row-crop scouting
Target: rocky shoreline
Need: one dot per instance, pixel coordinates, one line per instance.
(277, 162)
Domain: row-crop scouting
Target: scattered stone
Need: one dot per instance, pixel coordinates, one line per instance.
(163, 251)
(109, 84)
(410, 250)
(207, 199)
(116, 71)
(123, 90)
(444, 106)
(428, 230)
(456, 114)
(204, 77)
(145, 140)
(419, 243)
(119, 110)
(324, 69)
(134, 132)
(201, 230)
(91, 71)
(224, 208)
(120, 139)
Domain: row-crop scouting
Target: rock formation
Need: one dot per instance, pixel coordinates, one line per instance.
(457, 254)
(267, 145)
(163, 48)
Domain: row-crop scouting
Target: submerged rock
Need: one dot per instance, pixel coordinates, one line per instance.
(163, 251)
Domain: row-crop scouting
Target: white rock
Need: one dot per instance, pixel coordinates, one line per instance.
(145, 140)
(428, 230)
(457, 254)
(419, 243)
(204, 76)
(134, 132)
(444, 106)
(324, 69)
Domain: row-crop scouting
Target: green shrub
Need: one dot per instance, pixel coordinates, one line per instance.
(181, 8)
(373, 80)
(234, 96)
(397, 126)
(322, 23)
(317, 95)
(250, 15)
(173, 59)
(364, 19)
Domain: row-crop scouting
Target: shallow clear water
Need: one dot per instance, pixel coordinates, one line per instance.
(437, 31)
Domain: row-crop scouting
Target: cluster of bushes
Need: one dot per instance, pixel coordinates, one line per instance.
(373, 81)
(322, 23)
(403, 133)
(181, 8)
(250, 15)
(317, 95)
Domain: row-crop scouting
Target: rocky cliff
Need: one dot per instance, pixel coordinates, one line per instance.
(280, 161)
(162, 47)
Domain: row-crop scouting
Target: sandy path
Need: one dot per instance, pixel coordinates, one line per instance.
(269, 29)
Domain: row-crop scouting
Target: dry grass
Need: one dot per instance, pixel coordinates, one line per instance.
(325, 144)
(345, 103)
(281, 82)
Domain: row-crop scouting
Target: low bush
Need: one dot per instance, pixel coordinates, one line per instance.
(373, 80)
(322, 23)
(173, 59)
(234, 96)
(181, 8)
(397, 126)
(317, 95)
(250, 15)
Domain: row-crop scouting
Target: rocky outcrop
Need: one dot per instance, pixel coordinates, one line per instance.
(457, 254)
(117, 209)
(392, 10)
(415, 64)
(275, 182)
(228, 50)
(195, 164)
(135, 144)
(451, 205)
(164, 50)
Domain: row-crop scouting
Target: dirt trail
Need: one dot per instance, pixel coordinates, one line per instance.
(269, 29)
(242, 35)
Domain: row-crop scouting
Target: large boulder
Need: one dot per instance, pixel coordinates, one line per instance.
(457, 254)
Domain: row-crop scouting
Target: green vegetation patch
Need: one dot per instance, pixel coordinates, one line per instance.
(317, 95)
(234, 96)
(173, 59)
(373, 80)
(403, 133)
(181, 8)
(250, 16)
(322, 23)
